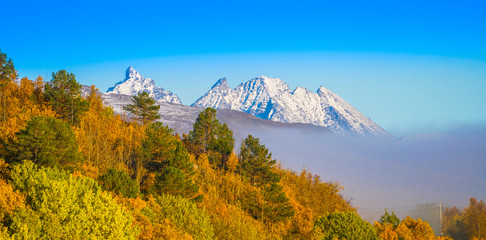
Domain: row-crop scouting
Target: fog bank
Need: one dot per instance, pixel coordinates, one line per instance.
(397, 174)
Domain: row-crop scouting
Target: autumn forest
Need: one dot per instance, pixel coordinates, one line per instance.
(70, 168)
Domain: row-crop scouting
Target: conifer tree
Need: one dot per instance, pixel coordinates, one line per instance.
(256, 162)
(223, 144)
(211, 137)
(277, 207)
(166, 156)
(7, 75)
(63, 93)
(45, 141)
(204, 131)
(144, 108)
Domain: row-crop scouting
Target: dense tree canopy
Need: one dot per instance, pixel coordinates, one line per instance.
(45, 141)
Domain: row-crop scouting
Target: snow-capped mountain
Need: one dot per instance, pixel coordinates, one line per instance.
(134, 83)
(272, 99)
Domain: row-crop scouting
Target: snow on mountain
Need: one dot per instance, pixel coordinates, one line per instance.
(134, 83)
(272, 99)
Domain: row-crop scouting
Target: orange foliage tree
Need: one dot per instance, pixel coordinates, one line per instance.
(105, 139)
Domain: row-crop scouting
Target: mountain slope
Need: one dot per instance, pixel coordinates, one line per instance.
(272, 99)
(181, 118)
(134, 83)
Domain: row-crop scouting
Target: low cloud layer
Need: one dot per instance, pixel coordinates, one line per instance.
(397, 174)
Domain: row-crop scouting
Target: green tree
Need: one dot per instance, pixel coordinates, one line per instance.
(173, 181)
(211, 137)
(45, 141)
(390, 218)
(144, 108)
(7, 74)
(119, 182)
(7, 68)
(159, 146)
(165, 155)
(276, 207)
(63, 93)
(344, 225)
(61, 206)
(204, 131)
(256, 162)
(223, 144)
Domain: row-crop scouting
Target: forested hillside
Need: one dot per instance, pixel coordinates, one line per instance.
(72, 169)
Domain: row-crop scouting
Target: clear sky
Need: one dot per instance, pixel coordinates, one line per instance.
(411, 66)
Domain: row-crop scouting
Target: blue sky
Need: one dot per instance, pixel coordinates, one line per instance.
(411, 66)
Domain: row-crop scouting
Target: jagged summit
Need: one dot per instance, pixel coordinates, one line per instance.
(272, 99)
(134, 83)
(131, 73)
(222, 83)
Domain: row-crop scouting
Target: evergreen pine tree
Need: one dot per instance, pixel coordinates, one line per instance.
(63, 93)
(144, 108)
(211, 137)
(256, 162)
(45, 141)
(277, 207)
(7, 74)
(223, 144)
(166, 156)
(204, 131)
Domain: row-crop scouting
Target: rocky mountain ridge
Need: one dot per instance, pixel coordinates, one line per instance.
(134, 83)
(272, 99)
(263, 97)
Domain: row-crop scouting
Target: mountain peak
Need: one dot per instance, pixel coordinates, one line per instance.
(131, 73)
(222, 82)
(321, 90)
(271, 86)
(267, 79)
(134, 83)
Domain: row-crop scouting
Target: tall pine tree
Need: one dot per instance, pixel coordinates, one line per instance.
(211, 137)
(256, 162)
(7, 75)
(144, 108)
(166, 157)
(63, 93)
